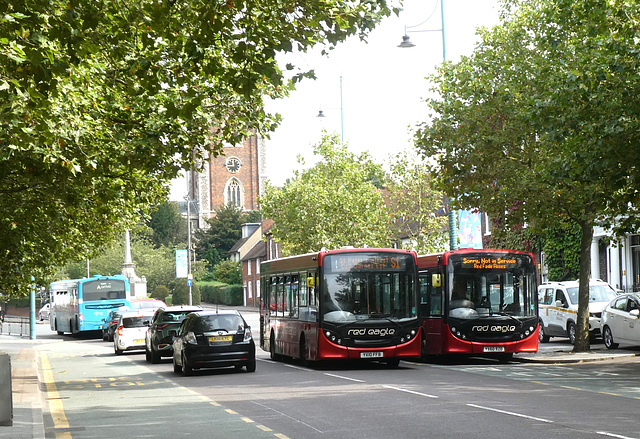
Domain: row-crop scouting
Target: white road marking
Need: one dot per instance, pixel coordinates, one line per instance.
(510, 413)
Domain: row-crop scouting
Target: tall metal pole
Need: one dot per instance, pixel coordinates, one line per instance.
(189, 276)
(32, 310)
(453, 231)
(341, 114)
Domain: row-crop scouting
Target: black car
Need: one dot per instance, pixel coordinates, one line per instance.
(111, 324)
(159, 343)
(210, 339)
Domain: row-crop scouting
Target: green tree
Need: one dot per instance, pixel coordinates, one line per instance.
(160, 292)
(414, 205)
(157, 264)
(181, 293)
(168, 226)
(102, 103)
(225, 230)
(333, 204)
(539, 125)
(228, 272)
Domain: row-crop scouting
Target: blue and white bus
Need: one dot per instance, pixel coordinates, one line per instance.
(79, 305)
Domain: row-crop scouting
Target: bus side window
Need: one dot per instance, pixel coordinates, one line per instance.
(293, 295)
(430, 296)
(312, 282)
(280, 297)
(273, 296)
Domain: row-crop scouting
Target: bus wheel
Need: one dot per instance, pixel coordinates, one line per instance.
(56, 326)
(303, 351)
(272, 348)
(393, 362)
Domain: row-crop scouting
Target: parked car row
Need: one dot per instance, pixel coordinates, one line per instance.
(558, 308)
(615, 317)
(193, 337)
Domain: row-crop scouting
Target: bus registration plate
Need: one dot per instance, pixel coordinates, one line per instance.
(494, 349)
(371, 355)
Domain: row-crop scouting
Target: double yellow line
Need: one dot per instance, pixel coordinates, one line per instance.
(56, 407)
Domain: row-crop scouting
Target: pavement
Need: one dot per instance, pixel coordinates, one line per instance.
(29, 388)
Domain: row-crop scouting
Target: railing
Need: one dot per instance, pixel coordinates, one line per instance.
(15, 325)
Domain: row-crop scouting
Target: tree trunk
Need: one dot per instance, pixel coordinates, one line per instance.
(582, 329)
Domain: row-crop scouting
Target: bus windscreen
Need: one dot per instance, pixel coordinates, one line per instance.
(368, 286)
(103, 290)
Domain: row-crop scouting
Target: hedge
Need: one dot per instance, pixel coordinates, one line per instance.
(221, 293)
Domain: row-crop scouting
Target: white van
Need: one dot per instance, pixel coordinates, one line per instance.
(558, 308)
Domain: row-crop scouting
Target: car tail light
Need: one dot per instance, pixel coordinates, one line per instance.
(191, 338)
(120, 330)
(247, 334)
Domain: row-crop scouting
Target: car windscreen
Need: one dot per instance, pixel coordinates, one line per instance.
(135, 322)
(229, 323)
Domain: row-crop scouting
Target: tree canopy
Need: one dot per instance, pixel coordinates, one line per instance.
(102, 103)
(225, 229)
(333, 204)
(540, 124)
(415, 205)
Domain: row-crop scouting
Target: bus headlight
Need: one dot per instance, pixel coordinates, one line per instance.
(332, 337)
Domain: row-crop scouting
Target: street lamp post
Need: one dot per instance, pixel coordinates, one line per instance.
(321, 114)
(189, 275)
(406, 43)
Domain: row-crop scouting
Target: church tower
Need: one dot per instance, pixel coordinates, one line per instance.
(236, 176)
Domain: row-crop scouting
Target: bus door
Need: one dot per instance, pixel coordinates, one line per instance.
(431, 311)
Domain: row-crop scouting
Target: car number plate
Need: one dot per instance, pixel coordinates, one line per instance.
(494, 349)
(138, 341)
(220, 338)
(371, 354)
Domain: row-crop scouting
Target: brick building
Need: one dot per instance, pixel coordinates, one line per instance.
(236, 176)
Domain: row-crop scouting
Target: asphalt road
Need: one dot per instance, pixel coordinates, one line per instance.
(94, 394)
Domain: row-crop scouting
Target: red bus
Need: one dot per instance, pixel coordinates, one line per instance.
(341, 304)
(478, 302)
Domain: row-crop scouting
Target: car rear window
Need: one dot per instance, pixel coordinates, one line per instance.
(173, 317)
(135, 322)
(229, 323)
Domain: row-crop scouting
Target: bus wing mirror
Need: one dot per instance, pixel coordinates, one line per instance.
(436, 280)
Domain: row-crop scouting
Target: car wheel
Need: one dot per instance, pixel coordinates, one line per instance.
(251, 365)
(104, 336)
(109, 336)
(147, 355)
(176, 368)
(155, 356)
(542, 337)
(186, 367)
(571, 332)
(608, 338)
(116, 350)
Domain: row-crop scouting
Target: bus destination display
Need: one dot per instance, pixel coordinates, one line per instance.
(489, 263)
(365, 262)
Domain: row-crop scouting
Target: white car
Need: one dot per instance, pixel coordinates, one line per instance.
(131, 330)
(43, 314)
(621, 321)
(558, 308)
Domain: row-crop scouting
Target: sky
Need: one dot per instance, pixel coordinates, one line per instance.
(371, 93)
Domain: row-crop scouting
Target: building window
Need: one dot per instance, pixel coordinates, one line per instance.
(249, 268)
(250, 289)
(234, 193)
(257, 265)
